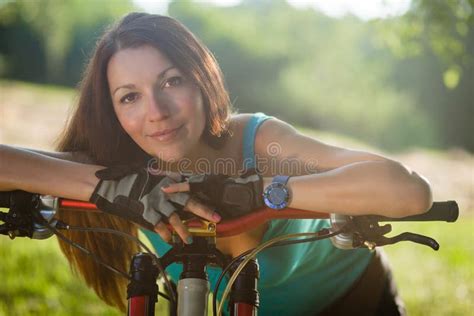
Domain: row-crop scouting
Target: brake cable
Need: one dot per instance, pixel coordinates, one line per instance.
(321, 234)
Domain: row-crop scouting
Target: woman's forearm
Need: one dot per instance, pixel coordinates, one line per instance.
(33, 172)
(369, 187)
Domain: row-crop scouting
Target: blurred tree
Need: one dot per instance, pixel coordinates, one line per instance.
(443, 28)
(309, 69)
(21, 52)
(57, 28)
(434, 48)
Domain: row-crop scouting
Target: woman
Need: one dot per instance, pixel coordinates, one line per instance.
(153, 91)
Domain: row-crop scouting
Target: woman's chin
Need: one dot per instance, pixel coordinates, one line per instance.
(169, 159)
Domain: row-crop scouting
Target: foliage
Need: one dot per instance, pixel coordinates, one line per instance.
(56, 32)
(443, 28)
(433, 46)
(309, 69)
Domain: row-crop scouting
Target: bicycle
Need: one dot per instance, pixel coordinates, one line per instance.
(32, 215)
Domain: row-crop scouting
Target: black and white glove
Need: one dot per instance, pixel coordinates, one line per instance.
(232, 197)
(136, 195)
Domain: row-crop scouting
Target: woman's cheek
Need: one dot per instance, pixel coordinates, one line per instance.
(197, 106)
(130, 118)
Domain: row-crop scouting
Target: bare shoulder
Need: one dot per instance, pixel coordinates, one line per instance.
(237, 126)
(274, 131)
(270, 126)
(238, 121)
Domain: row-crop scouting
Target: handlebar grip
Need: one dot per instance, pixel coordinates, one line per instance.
(5, 198)
(447, 211)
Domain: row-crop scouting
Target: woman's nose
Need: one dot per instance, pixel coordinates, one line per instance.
(158, 108)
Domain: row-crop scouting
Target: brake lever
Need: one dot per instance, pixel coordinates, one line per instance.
(28, 215)
(16, 224)
(406, 236)
(4, 230)
(365, 231)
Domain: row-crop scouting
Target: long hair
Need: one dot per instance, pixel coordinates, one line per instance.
(95, 131)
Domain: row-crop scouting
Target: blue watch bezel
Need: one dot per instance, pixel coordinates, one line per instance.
(277, 185)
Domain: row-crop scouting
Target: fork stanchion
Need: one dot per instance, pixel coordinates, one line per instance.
(193, 286)
(244, 296)
(142, 291)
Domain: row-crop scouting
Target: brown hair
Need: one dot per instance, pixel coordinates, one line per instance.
(95, 131)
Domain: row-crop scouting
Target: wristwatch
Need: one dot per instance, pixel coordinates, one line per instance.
(277, 194)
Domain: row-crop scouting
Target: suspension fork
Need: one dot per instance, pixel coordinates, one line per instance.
(193, 287)
(244, 296)
(142, 290)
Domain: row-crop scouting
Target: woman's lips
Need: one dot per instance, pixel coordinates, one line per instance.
(166, 135)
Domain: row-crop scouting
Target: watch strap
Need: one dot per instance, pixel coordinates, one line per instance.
(281, 179)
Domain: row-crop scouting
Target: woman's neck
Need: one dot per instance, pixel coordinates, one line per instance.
(199, 160)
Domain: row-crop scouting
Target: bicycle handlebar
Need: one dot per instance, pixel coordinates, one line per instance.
(4, 199)
(8, 197)
(440, 211)
(224, 228)
(447, 211)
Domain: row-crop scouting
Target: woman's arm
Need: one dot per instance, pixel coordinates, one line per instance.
(344, 181)
(22, 169)
(29, 170)
(75, 156)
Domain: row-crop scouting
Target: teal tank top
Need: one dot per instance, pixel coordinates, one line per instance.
(299, 279)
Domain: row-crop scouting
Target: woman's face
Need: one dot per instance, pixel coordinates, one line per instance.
(157, 106)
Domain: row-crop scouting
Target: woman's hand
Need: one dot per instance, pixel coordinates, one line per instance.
(232, 197)
(193, 205)
(136, 195)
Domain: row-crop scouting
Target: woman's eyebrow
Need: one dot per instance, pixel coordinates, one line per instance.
(132, 86)
(126, 86)
(163, 73)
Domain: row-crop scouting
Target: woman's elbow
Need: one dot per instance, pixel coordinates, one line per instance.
(422, 196)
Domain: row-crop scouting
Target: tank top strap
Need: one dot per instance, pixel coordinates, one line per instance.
(249, 139)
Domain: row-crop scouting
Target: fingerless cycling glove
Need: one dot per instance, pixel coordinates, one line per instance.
(232, 197)
(136, 195)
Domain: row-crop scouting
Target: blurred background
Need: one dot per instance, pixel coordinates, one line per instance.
(394, 77)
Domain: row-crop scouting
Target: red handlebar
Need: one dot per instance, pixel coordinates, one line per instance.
(259, 217)
(227, 227)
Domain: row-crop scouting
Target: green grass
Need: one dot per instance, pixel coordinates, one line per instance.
(436, 282)
(37, 281)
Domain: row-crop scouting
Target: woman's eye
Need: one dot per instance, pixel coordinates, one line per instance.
(129, 98)
(173, 82)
